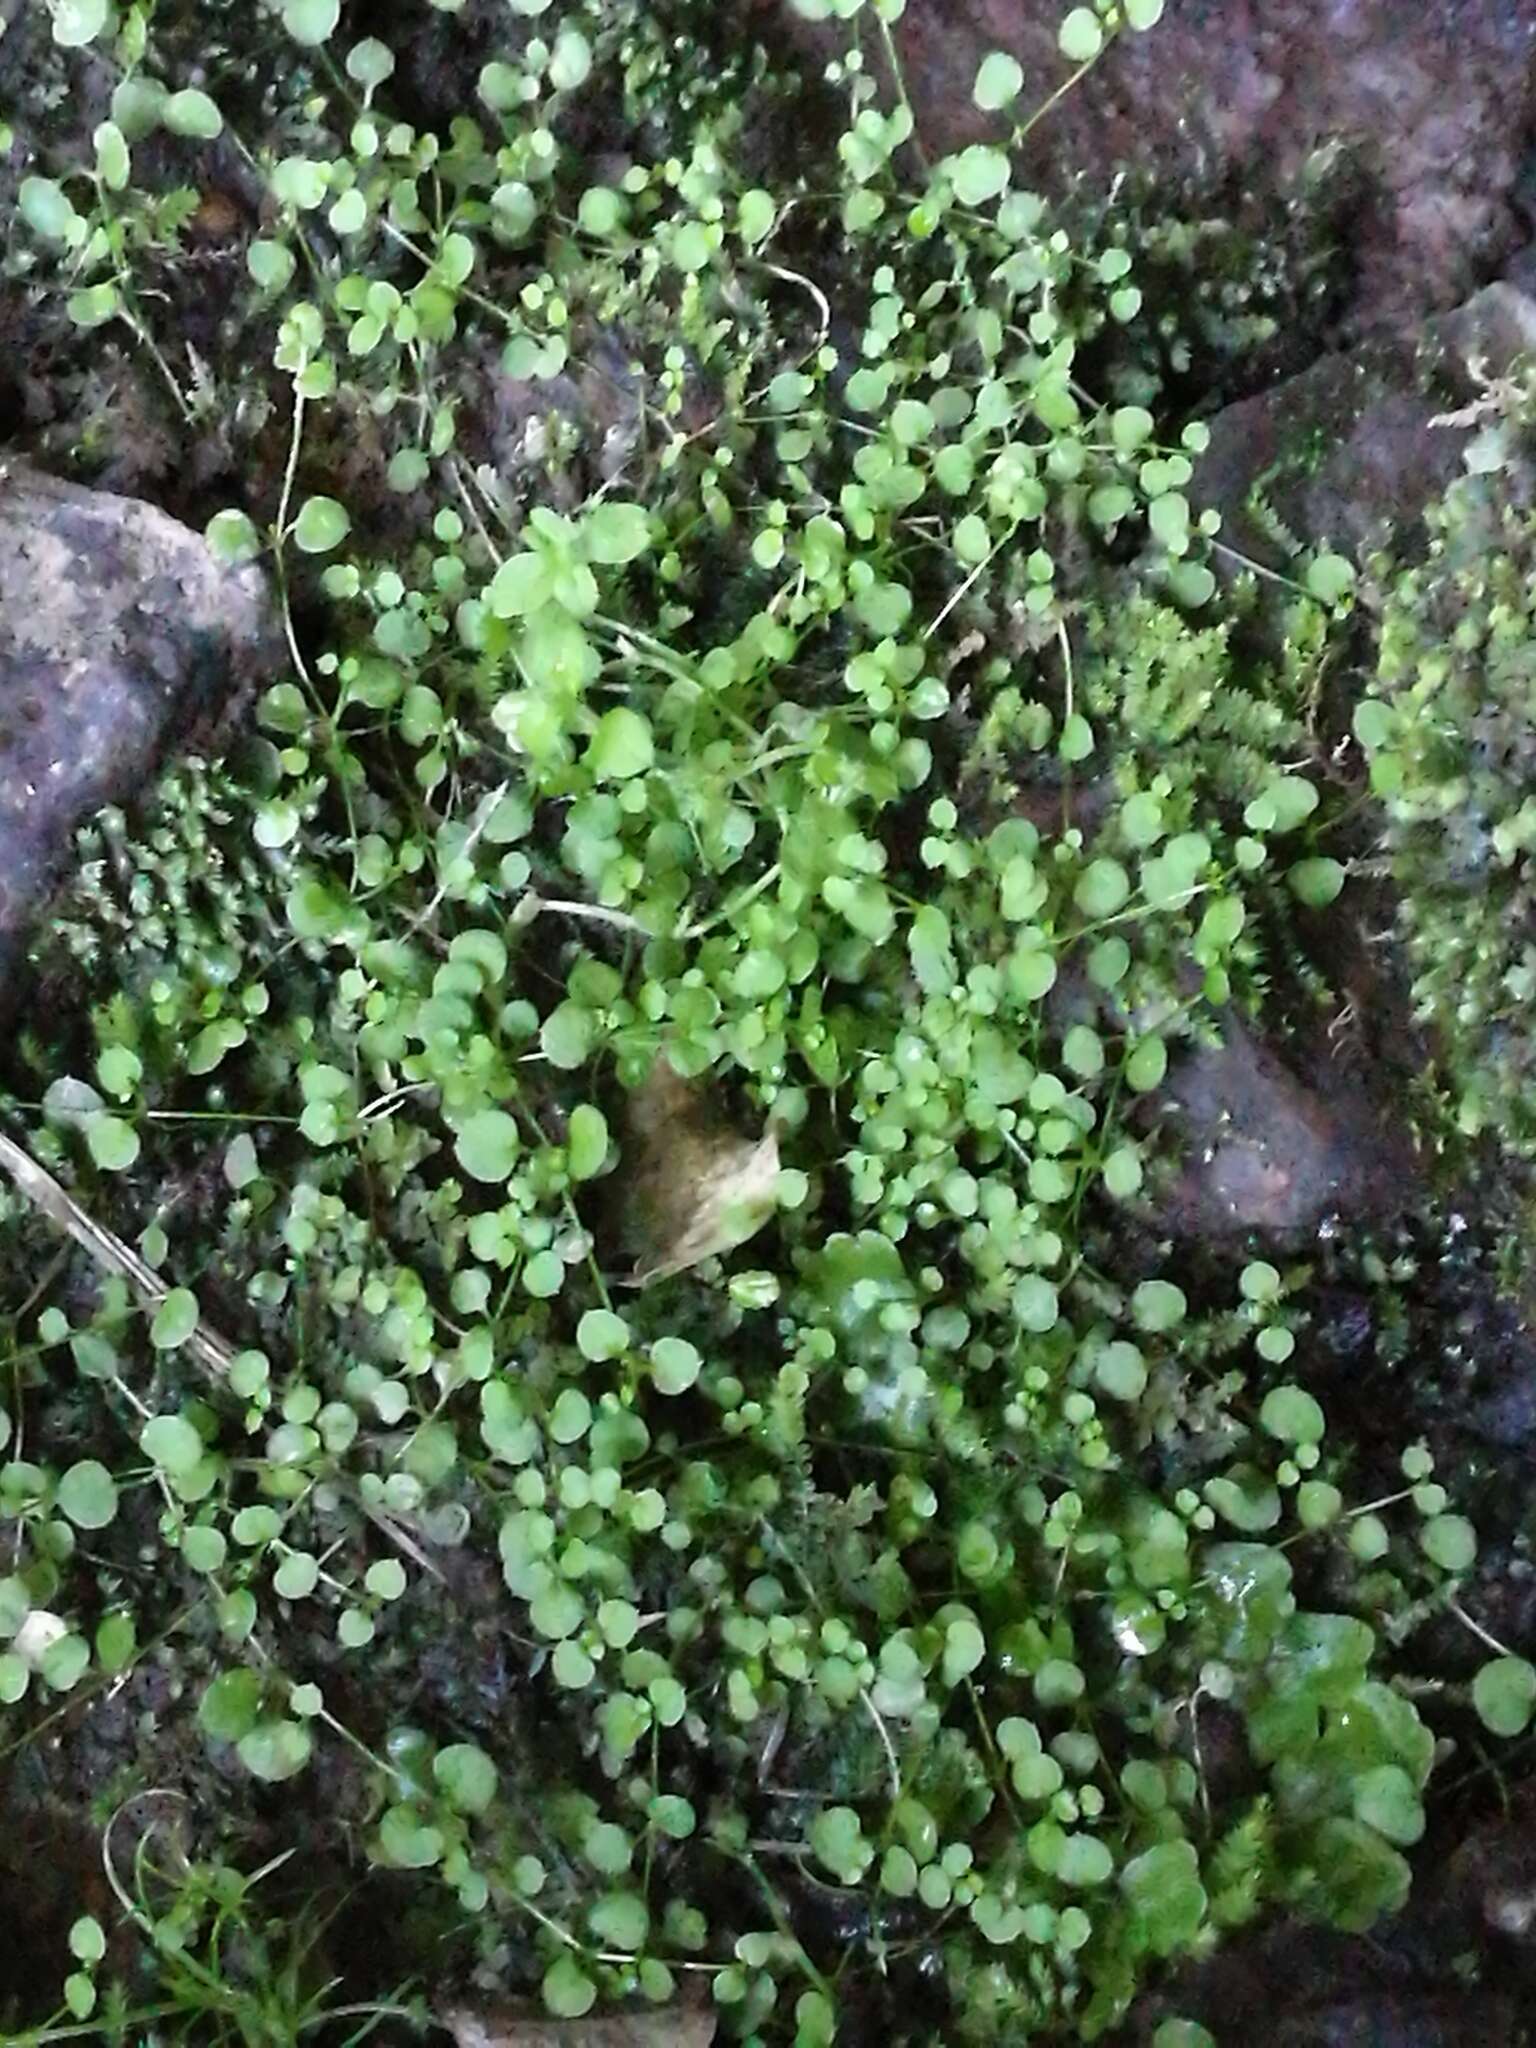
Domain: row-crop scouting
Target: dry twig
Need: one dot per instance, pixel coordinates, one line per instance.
(39, 1187)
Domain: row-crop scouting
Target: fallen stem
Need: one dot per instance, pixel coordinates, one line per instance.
(1490, 1642)
(531, 905)
(39, 1187)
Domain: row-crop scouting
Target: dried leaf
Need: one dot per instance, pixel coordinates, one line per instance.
(500, 2027)
(694, 1186)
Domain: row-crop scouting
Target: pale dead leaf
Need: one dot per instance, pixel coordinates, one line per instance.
(500, 2027)
(694, 1186)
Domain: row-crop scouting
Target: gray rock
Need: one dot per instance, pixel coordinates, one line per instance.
(118, 631)
(1353, 449)
(1433, 98)
(1263, 1150)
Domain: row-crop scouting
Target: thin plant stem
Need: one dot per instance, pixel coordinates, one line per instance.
(899, 80)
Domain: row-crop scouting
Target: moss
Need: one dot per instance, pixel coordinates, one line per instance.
(1449, 727)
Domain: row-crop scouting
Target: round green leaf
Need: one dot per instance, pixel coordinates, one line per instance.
(117, 1642)
(231, 1705)
(112, 158)
(1330, 578)
(311, 21)
(1158, 1305)
(1146, 1064)
(87, 1941)
(63, 1664)
(171, 1442)
(1246, 1498)
(275, 1750)
(1101, 889)
(586, 1142)
(175, 1320)
(322, 524)
(193, 114)
(204, 1549)
(113, 1144)
(756, 213)
(1120, 1371)
(570, 62)
(1123, 1173)
(1318, 1504)
(95, 305)
(48, 210)
(231, 536)
(1163, 1890)
(1292, 1414)
(571, 1416)
(297, 1575)
(1287, 802)
(978, 174)
(1387, 1800)
(386, 1580)
(1059, 1683)
(466, 1775)
(408, 1841)
(692, 246)
(1084, 1861)
(602, 1335)
(1036, 1305)
(1504, 1694)
(998, 82)
(88, 1495)
(675, 1365)
(616, 533)
(544, 1275)
(837, 1839)
(601, 210)
(621, 747)
(620, 1920)
(271, 265)
(370, 62)
(1316, 882)
(1451, 1541)
(78, 22)
(568, 1991)
(1081, 37)
(1259, 1281)
(489, 1145)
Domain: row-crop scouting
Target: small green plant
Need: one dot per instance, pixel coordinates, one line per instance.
(216, 1968)
(834, 731)
(1448, 732)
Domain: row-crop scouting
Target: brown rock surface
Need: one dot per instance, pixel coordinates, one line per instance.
(1435, 98)
(1351, 450)
(1264, 1150)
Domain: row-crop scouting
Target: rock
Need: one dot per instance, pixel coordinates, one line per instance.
(1494, 1872)
(1356, 446)
(1433, 98)
(1296, 1985)
(1260, 1149)
(677, 2027)
(117, 628)
(1453, 2020)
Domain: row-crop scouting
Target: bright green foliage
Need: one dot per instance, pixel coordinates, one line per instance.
(801, 731)
(1504, 1694)
(1450, 736)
